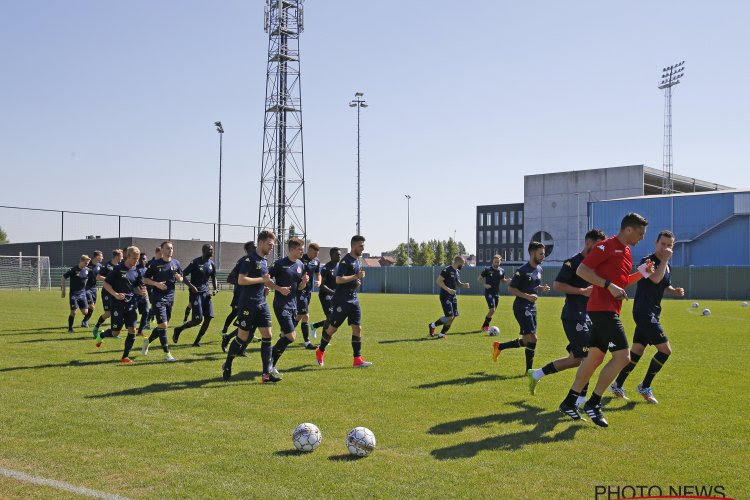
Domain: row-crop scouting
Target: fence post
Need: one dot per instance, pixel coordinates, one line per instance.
(38, 267)
(726, 283)
(119, 221)
(385, 280)
(170, 230)
(408, 279)
(62, 238)
(690, 282)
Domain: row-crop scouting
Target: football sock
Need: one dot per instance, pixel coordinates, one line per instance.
(279, 348)
(570, 399)
(445, 328)
(100, 321)
(129, 341)
(306, 331)
(513, 344)
(70, 321)
(187, 314)
(235, 348)
(106, 333)
(228, 321)
(357, 346)
(319, 324)
(266, 354)
(530, 351)
(656, 363)
(438, 322)
(144, 321)
(486, 321)
(203, 330)
(585, 390)
(594, 400)
(88, 315)
(634, 358)
(163, 339)
(325, 340)
(155, 333)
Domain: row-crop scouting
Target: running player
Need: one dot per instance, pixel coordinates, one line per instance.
(574, 318)
(312, 269)
(78, 277)
(525, 286)
(94, 266)
(646, 313)
(162, 274)
(328, 287)
(448, 281)
(200, 270)
(345, 305)
(104, 270)
(141, 301)
(607, 267)
(491, 278)
(150, 289)
(232, 280)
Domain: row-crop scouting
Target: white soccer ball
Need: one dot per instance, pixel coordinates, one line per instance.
(360, 441)
(494, 331)
(744, 304)
(694, 305)
(307, 437)
(707, 312)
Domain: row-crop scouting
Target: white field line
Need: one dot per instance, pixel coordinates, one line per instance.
(60, 485)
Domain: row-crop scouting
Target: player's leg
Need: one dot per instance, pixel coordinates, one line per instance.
(525, 327)
(663, 351)
(450, 312)
(91, 299)
(72, 314)
(196, 305)
(355, 321)
(577, 350)
(338, 314)
(207, 310)
(491, 306)
(286, 319)
(143, 311)
(240, 340)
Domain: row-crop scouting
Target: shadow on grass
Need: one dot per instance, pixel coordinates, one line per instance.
(344, 457)
(38, 331)
(473, 378)
(294, 452)
(542, 432)
(140, 361)
(64, 339)
(427, 338)
(213, 382)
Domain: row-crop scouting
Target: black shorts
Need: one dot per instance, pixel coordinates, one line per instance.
(285, 316)
(253, 315)
(91, 295)
(579, 336)
(526, 318)
(326, 302)
(607, 332)
(78, 301)
(141, 304)
(235, 297)
(107, 301)
(202, 305)
(163, 308)
(349, 311)
(492, 298)
(303, 302)
(124, 314)
(648, 330)
(450, 305)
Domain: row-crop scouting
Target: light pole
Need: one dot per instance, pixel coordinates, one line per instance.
(358, 103)
(670, 77)
(220, 130)
(408, 228)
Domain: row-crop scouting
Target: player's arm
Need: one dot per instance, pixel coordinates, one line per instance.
(62, 284)
(303, 282)
(677, 292)
(107, 286)
(161, 285)
(561, 287)
(523, 295)
(462, 284)
(213, 282)
(185, 280)
(659, 272)
(441, 283)
(318, 279)
(244, 280)
(589, 275)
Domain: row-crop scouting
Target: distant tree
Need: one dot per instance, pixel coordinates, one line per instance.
(427, 254)
(3, 237)
(461, 249)
(402, 258)
(413, 249)
(439, 253)
(451, 251)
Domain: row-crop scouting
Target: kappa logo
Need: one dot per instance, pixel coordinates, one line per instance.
(449, 302)
(618, 251)
(243, 323)
(600, 247)
(611, 345)
(580, 327)
(527, 313)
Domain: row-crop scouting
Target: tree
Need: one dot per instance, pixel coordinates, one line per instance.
(427, 254)
(414, 249)
(439, 254)
(3, 237)
(402, 259)
(451, 251)
(461, 249)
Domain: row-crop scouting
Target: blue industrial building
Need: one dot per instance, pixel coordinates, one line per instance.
(711, 228)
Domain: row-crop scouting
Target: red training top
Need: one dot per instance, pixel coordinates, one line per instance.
(611, 260)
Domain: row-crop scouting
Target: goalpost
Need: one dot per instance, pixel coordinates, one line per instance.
(23, 271)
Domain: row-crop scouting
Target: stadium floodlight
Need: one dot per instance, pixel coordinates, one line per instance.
(358, 103)
(671, 76)
(408, 228)
(220, 130)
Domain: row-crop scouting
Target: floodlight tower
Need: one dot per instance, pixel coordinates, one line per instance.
(282, 178)
(358, 103)
(670, 77)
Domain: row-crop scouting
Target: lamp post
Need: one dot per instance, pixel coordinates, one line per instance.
(220, 130)
(670, 77)
(408, 228)
(358, 103)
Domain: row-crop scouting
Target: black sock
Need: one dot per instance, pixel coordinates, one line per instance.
(445, 328)
(570, 399)
(279, 348)
(235, 348)
(357, 346)
(530, 351)
(634, 358)
(228, 321)
(70, 321)
(306, 331)
(513, 344)
(324, 341)
(585, 390)
(100, 321)
(187, 314)
(656, 363)
(190, 324)
(319, 324)
(486, 321)
(163, 339)
(88, 315)
(595, 399)
(266, 354)
(155, 333)
(129, 341)
(549, 369)
(438, 322)
(203, 330)
(106, 333)
(144, 320)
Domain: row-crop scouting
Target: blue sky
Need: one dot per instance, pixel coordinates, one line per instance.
(109, 106)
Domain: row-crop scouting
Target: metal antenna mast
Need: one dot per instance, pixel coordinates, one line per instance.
(670, 77)
(282, 178)
(358, 103)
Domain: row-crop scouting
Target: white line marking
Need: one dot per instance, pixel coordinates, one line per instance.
(60, 485)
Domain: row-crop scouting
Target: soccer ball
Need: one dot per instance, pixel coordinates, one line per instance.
(744, 304)
(694, 305)
(707, 312)
(360, 441)
(307, 437)
(494, 331)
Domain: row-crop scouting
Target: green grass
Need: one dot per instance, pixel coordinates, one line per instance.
(449, 422)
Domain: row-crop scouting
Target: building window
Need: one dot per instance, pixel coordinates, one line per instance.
(488, 237)
(497, 237)
(481, 237)
(480, 219)
(494, 253)
(505, 254)
(520, 235)
(520, 217)
(489, 219)
(510, 255)
(505, 236)
(512, 218)
(520, 252)
(505, 218)
(512, 236)
(497, 218)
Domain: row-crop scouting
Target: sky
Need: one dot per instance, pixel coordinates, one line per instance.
(109, 106)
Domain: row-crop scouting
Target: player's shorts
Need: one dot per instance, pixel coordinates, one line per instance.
(78, 301)
(450, 305)
(526, 318)
(253, 315)
(235, 297)
(285, 316)
(150, 294)
(349, 311)
(202, 305)
(91, 295)
(607, 332)
(648, 330)
(579, 336)
(303, 302)
(141, 304)
(107, 301)
(124, 314)
(326, 302)
(492, 298)
(163, 308)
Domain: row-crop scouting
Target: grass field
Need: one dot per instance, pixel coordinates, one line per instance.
(449, 422)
